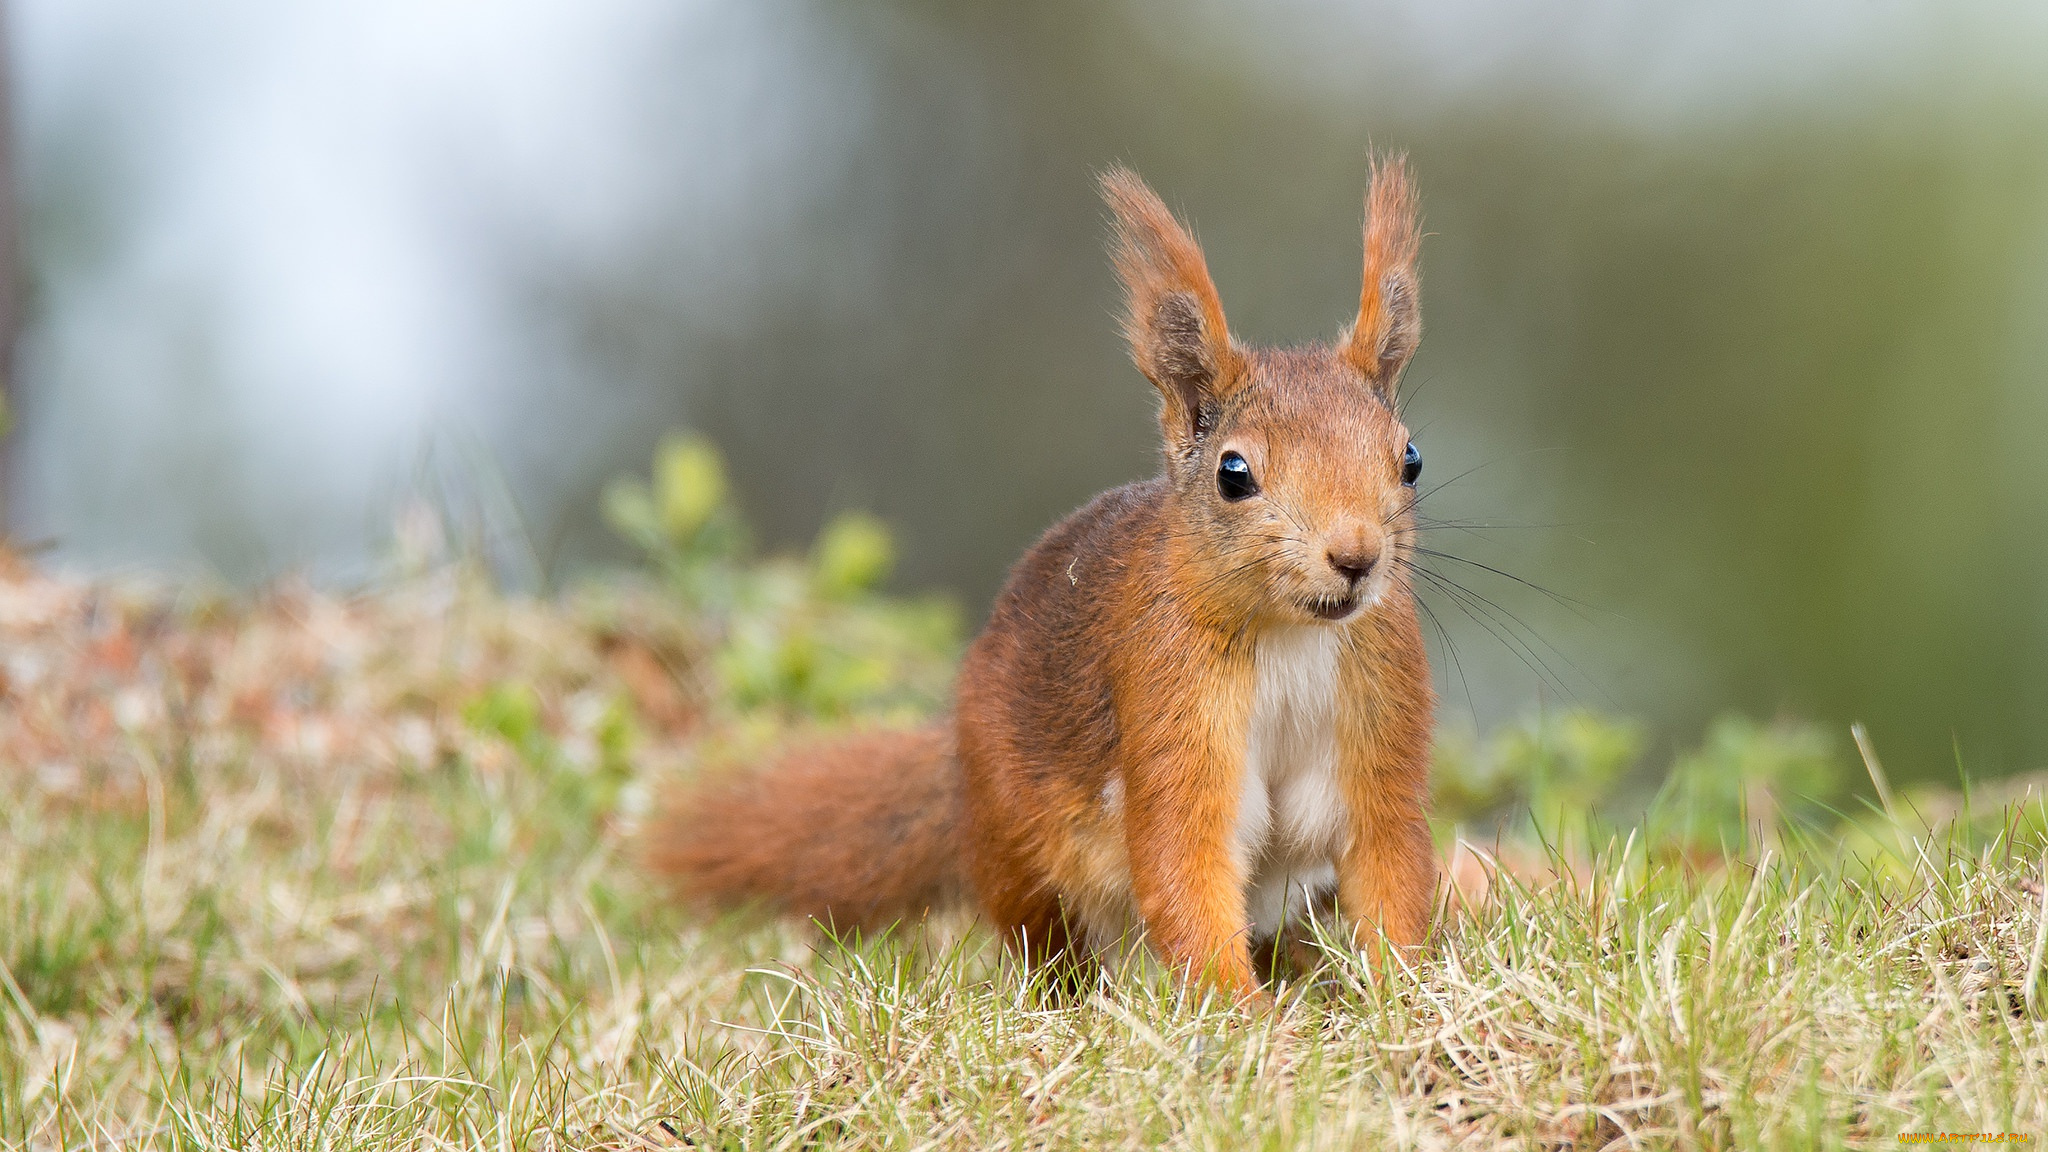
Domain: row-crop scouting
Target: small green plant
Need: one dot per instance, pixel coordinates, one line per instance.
(812, 637)
(1747, 785)
(853, 556)
(1556, 770)
(683, 521)
(510, 712)
(582, 789)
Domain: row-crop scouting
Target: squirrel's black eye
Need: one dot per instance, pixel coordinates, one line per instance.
(1234, 478)
(1411, 464)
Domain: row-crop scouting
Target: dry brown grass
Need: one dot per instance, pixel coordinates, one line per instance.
(308, 871)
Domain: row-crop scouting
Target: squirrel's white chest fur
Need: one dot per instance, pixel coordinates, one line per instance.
(1291, 817)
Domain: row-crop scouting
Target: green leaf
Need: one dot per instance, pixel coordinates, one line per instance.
(629, 509)
(510, 711)
(853, 555)
(689, 483)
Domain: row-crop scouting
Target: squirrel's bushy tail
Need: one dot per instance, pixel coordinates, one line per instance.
(858, 832)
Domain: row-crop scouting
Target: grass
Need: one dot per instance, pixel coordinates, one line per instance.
(307, 872)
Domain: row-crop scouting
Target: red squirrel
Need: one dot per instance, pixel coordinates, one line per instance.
(1201, 705)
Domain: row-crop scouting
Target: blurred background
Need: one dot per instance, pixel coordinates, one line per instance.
(1737, 314)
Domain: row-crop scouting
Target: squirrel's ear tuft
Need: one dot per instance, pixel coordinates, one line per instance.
(1172, 316)
(1389, 322)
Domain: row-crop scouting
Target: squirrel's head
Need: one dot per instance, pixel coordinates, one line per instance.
(1293, 473)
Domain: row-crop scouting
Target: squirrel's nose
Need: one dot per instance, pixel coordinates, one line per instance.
(1353, 566)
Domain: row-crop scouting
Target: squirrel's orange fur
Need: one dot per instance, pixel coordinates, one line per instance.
(1188, 716)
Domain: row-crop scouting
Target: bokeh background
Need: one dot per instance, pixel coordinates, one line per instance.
(1737, 314)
